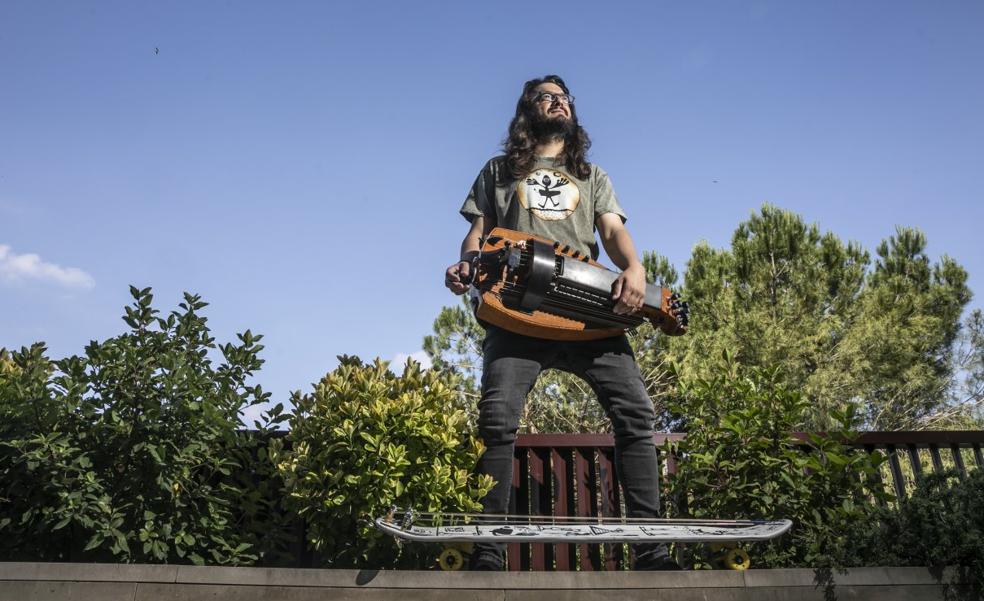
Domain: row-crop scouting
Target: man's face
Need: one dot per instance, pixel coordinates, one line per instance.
(551, 109)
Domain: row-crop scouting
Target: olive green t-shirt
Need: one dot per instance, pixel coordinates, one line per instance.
(548, 201)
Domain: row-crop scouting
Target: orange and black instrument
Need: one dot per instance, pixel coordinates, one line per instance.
(537, 287)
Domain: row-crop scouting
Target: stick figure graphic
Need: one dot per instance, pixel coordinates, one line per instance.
(546, 187)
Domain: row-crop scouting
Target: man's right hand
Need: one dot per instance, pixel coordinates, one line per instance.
(458, 277)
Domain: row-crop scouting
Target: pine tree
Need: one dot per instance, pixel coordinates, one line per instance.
(786, 296)
(909, 322)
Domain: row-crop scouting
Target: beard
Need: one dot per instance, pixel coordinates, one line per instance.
(546, 128)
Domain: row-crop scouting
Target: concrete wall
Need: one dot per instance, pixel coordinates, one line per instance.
(113, 582)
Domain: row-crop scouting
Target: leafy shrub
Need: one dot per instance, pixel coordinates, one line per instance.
(739, 460)
(133, 451)
(941, 524)
(46, 480)
(367, 439)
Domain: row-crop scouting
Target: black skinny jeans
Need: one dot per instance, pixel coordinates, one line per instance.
(511, 365)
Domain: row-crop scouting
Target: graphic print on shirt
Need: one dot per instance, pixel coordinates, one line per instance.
(549, 194)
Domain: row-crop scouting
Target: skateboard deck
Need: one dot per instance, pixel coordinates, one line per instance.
(548, 529)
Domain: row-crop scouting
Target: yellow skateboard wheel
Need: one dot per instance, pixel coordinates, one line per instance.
(736, 559)
(450, 560)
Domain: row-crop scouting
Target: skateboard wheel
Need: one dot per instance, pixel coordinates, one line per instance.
(450, 560)
(736, 559)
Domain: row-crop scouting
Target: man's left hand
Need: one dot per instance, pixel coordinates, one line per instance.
(629, 289)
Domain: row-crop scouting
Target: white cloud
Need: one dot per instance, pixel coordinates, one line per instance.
(14, 267)
(400, 360)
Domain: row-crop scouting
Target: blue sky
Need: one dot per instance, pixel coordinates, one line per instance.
(301, 164)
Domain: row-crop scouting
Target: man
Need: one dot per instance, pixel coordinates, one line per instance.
(545, 186)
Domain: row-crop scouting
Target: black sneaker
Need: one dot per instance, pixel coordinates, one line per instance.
(655, 558)
(657, 564)
(486, 561)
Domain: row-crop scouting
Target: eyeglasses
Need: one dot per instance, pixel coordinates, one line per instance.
(550, 97)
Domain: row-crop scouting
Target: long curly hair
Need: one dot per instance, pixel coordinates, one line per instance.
(519, 145)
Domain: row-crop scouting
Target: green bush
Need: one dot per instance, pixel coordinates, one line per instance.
(133, 452)
(940, 525)
(740, 461)
(367, 439)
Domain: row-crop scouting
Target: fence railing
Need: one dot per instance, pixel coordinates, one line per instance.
(574, 475)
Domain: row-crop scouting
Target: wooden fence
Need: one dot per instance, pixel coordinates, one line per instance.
(574, 475)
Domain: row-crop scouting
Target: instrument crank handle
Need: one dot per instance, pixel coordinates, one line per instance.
(472, 271)
(473, 263)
